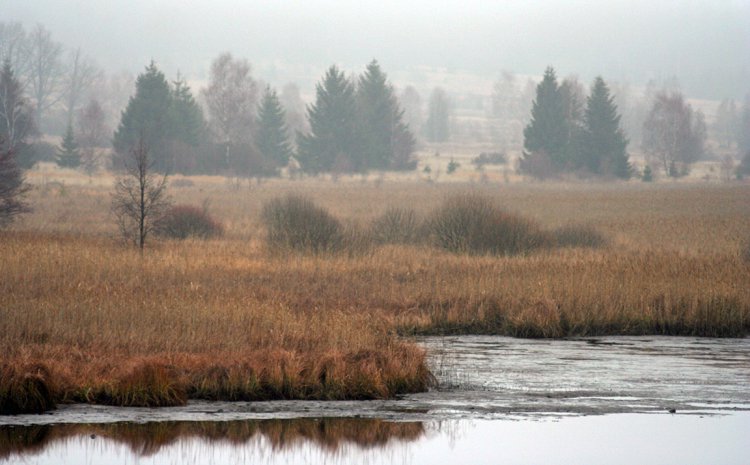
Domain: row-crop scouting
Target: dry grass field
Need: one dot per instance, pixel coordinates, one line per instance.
(85, 318)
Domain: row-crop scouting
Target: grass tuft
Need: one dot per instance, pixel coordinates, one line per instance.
(26, 388)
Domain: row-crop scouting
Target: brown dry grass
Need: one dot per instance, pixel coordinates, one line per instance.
(225, 319)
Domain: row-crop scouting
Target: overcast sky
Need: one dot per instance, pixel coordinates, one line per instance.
(706, 44)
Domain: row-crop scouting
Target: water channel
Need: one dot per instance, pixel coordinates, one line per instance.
(499, 400)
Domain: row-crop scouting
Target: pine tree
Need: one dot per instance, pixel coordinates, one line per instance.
(16, 118)
(12, 186)
(547, 133)
(272, 138)
(603, 141)
(386, 140)
(332, 141)
(186, 117)
(147, 117)
(68, 155)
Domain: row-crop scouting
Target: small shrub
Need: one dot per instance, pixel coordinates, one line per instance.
(296, 223)
(396, 226)
(453, 165)
(648, 175)
(579, 236)
(183, 221)
(489, 158)
(473, 224)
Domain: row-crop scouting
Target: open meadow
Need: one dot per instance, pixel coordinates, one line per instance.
(86, 318)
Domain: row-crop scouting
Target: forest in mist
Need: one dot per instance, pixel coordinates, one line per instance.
(465, 75)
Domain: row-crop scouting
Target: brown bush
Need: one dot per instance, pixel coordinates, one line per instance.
(184, 221)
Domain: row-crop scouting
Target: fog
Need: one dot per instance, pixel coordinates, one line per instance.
(705, 44)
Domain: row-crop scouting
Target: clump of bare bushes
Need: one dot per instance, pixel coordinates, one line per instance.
(467, 223)
(396, 226)
(474, 224)
(296, 223)
(184, 221)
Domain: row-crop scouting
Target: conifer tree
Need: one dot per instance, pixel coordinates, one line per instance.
(603, 143)
(547, 133)
(16, 118)
(12, 186)
(332, 141)
(385, 139)
(68, 155)
(272, 138)
(147, 117)
(186, 117)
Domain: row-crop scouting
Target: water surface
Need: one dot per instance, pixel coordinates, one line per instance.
(498, 400)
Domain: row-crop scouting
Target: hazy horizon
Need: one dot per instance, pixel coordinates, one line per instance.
(706, 45)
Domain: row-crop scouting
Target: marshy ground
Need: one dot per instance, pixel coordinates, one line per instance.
(88, 319)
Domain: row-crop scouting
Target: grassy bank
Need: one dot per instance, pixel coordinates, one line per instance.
(86, 319)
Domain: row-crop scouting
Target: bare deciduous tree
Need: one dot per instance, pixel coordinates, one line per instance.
(14, 47)
(674, 133)
(46, 72)
(91, 135)
(140, 196)
(81, 76)
(232, 100)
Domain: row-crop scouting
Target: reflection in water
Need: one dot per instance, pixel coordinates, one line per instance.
(613, 439)
(146, 439)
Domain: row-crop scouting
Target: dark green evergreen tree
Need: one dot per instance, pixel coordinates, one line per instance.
(603, 145)
(187, 130)
(187, 122)
(386, 141)
(547, 134)
(16, 119)
(68, 155)
(147, 117)
(272, 138)
(332, 141)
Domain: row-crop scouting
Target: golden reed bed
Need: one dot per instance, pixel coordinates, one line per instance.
(86, 319)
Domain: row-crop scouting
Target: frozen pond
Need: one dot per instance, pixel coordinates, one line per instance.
(499, 400)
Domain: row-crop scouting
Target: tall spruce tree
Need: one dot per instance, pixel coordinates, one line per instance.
(68, 155)
(187, 123)
(147, 119)
(603, 142)
(386, 141)
(547, 134)
(332, 142)
(272, 138)
(16, 118)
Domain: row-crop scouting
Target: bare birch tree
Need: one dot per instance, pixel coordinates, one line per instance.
(140, 196)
